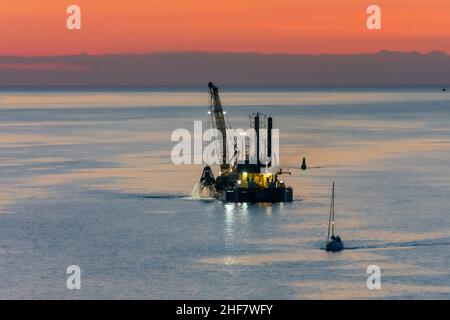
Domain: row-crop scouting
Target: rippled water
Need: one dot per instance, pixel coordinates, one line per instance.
(86, 179)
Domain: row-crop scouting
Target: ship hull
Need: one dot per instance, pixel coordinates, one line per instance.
(271, 195)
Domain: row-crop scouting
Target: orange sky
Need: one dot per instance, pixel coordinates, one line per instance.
(38, 27)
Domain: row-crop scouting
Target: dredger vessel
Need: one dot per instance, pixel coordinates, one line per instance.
(244, 181)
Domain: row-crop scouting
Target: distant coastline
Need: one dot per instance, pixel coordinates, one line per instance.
(242, 88)
(194, 69)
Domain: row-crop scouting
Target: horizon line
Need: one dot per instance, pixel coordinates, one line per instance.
(436, 51)
(328, 87)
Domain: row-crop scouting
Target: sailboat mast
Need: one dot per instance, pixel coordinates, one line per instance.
(330, 218)
(332, 206)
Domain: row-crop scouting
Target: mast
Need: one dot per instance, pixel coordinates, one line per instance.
(218, 122)
(331, 218)
(332, 222)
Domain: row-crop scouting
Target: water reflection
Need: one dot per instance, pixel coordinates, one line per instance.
(236, 217)
(247, 223)
(229, 224)
(393, 178)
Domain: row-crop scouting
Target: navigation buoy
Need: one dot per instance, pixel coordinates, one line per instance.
(304, 167)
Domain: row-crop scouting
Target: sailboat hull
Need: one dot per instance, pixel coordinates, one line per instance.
(334, 246)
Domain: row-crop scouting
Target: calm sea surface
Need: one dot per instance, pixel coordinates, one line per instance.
(86, 179)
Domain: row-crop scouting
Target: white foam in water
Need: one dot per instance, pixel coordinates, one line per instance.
(205, 193)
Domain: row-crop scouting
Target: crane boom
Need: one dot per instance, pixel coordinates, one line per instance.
(219, 123)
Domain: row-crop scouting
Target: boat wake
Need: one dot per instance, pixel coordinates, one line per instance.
(399, 245)
(125, 195)
(161, 196)
(205, 199)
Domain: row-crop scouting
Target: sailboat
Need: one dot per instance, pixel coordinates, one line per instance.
(334, 243)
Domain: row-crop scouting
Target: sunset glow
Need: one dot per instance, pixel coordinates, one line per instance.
(30, 27)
